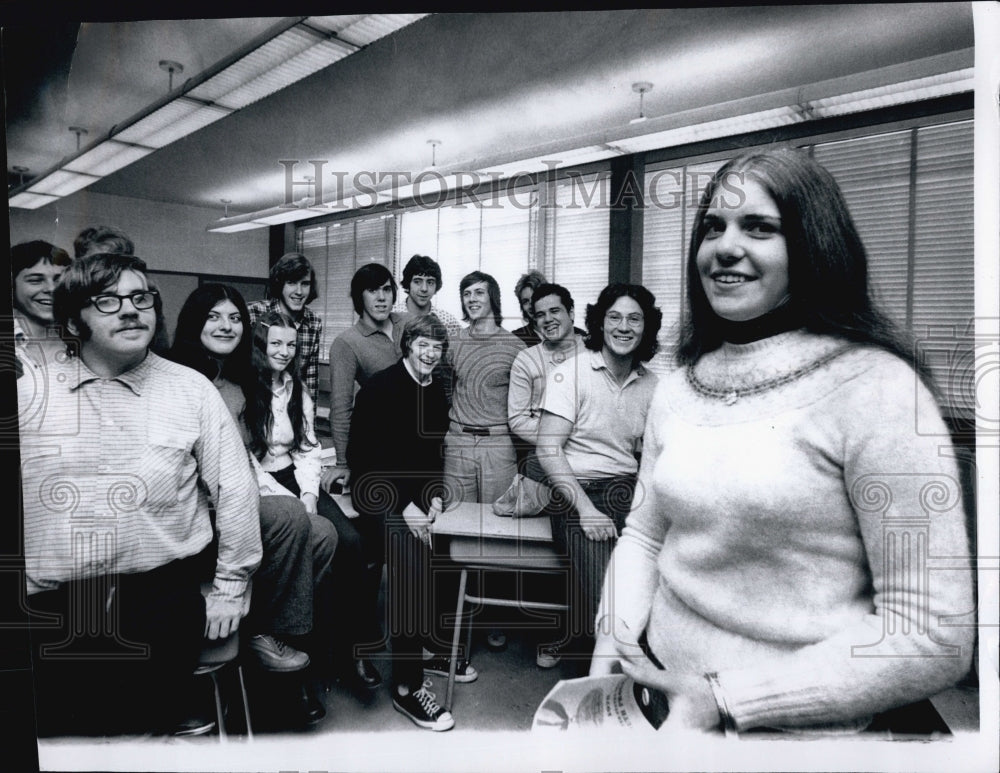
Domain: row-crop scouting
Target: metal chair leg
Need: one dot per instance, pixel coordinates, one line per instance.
(220, 716)
(246, 701)
(453, 664)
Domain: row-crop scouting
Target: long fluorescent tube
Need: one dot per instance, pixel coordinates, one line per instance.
(25, 200)
(106, 158)
(930, 87)
(235, 227)
(292, 50)
(288, 216)
(364, 29)
(62, 183)
(174, 120)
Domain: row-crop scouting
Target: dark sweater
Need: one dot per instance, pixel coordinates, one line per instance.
(396, 441)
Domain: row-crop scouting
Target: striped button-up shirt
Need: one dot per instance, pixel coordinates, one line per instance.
(117, 475)
(309, 331)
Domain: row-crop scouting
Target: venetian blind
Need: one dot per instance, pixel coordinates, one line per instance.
(874, 174)
(491, 235)
(336, 251)
(671, 197)
(943, 261)
(577, 233)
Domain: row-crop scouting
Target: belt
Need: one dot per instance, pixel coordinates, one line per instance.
(493, 429)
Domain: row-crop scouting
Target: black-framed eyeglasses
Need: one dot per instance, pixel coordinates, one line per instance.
(109, 303)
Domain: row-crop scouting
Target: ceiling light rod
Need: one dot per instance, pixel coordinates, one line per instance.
(641, 87)
(171, 67)
(78, 131)
(434, 144)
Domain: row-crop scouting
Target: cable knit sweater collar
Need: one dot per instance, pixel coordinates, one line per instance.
(764, 374)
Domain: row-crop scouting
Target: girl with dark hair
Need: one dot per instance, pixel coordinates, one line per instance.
(593, 415)
(279, 415)
(774, 572)
(298, 547)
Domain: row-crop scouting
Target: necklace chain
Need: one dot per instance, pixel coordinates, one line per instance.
(731, 394)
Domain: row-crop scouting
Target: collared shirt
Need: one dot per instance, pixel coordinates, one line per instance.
(608, 418)
(33, 353)
(117, 475)
(450, 322)
(281, 448)
(309, 332)
(356, 355)
(527, 385)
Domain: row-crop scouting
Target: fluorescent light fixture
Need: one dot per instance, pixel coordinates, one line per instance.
(266, 217)
(555, 160)
(724, 127)
(292, 50)
(25, 200)
(174, 120)
(364, 29)
(290, 57)
(310, 61)
(289, 215)
(235, 227)
(106, 158)
(62, 183)
(915, 90)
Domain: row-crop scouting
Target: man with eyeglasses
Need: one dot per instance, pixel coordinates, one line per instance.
(122, 451)
(589, 441)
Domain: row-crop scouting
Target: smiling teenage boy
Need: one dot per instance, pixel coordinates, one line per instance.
(291, 288)
(422, 281)
(361, 351)
(36, 268)
(479, 462)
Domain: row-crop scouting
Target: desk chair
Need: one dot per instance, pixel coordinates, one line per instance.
(216, 655)
(478, 539)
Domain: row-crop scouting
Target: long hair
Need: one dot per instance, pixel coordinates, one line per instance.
(492, 289)
(652, 319)
(259, 418)
(188, 349)
(291, 267)
(827, 261)
(370, 276)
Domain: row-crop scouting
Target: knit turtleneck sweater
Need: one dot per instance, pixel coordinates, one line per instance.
(771, 540)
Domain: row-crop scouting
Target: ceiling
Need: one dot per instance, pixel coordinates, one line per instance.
(491, 87)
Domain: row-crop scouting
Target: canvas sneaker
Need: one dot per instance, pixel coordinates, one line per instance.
(274, 655)
(438, 665)
(423, 710)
